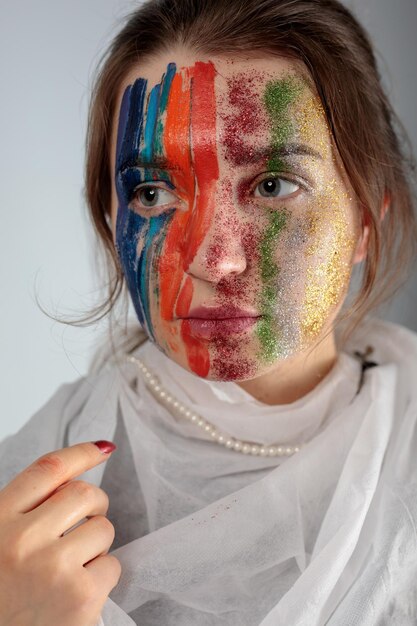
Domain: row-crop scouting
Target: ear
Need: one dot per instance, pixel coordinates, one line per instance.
(362, 245)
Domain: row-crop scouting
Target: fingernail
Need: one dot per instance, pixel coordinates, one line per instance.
(105, 446)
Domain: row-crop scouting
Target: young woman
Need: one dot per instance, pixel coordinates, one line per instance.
(242, 161)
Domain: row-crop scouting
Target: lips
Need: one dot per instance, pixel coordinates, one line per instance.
(209, 322)
(228, 311)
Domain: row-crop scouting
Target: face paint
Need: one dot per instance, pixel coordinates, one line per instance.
(146, 136)
(214, 139)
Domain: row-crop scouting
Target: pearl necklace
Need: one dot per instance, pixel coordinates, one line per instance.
(221, 438)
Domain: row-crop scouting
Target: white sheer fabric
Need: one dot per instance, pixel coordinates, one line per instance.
(209, 536)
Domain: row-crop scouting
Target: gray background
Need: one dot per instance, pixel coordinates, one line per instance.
(48, 50)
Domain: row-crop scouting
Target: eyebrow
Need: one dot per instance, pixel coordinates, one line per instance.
(248, 157)
(288, 150)
(158, 163)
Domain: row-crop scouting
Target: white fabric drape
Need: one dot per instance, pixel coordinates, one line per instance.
(209, 536)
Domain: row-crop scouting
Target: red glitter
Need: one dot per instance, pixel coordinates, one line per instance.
(213, 254)
(227, 364)
(246, 119)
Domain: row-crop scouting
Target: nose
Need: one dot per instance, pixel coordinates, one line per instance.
(220, 253)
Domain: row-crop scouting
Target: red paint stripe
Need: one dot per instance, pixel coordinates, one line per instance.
(206, 167)
(197, 353)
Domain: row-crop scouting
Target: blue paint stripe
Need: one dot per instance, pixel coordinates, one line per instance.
(156, 226)
(163, 101)
(151, 115)
(171, 69)
(124, 110)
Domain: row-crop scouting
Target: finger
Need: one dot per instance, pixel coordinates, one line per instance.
(36, 482)
(106, 570)
(93, 538)
(64, 508)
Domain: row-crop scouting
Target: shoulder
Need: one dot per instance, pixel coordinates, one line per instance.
(391, 342)
(393, 347)
(394, 350)
(396, 345)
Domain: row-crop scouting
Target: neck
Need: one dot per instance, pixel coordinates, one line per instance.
(294, 377)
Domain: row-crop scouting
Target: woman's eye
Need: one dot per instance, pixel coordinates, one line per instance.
(274, 187)
(151, 197)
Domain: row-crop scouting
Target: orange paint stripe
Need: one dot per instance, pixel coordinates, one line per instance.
(176, 140)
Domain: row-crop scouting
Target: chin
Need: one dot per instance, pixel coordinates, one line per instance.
(233, 371)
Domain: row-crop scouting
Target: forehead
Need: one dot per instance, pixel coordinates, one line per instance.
(262, 68)
(238, 81)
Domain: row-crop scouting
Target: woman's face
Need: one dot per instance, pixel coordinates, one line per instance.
(232, 219)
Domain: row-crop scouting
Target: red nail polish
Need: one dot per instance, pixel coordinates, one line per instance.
(105, 447)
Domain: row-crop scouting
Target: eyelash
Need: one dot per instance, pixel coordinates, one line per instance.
(270, 175)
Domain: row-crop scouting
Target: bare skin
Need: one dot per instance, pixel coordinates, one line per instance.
(48, 577)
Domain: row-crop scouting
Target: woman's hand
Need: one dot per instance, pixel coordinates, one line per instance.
(46, 576)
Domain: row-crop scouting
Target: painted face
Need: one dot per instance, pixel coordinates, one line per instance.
(233, 223)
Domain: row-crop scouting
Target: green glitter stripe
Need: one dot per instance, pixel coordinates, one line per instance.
(269, 272)
(278, 97)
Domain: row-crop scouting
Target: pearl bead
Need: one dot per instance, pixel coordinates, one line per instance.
(221, 438)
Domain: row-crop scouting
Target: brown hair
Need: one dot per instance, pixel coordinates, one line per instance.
(339, 56)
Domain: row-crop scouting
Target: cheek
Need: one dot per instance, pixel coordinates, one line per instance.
(328, 261)
(304, 269)
(113, 214)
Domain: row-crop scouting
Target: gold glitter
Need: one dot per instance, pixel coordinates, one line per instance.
(326, 226)
(326, 281)
(310, 117)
